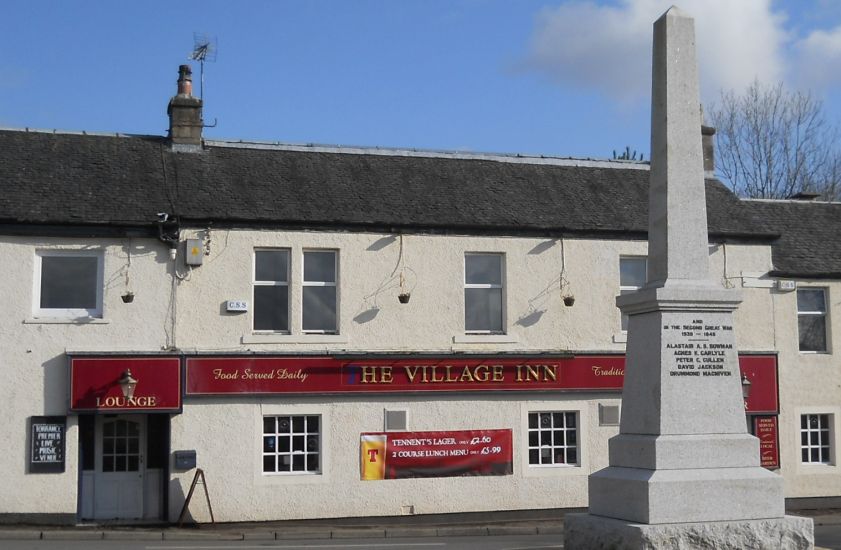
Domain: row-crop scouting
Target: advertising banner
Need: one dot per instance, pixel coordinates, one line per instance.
(396, 455)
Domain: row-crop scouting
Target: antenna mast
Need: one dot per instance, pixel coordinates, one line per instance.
(204, 49)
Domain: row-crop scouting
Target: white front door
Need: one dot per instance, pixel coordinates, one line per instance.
(118, 481)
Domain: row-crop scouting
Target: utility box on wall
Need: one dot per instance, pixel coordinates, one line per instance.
(194, 253)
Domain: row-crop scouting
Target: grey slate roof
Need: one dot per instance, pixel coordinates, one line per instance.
(810, 242)
(66, 179)
(52, 178)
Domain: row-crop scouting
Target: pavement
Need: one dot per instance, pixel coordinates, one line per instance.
(519, 522)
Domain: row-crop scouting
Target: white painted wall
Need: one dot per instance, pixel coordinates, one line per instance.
(371, 320)
(810, 383)
(34, 364)
(226, 432)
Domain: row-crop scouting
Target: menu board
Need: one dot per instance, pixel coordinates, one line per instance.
(765, 428)
(48, 443)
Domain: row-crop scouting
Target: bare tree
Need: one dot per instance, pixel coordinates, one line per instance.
(771, 143)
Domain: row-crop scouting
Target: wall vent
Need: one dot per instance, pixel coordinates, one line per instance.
(608, 415)
(395, 421)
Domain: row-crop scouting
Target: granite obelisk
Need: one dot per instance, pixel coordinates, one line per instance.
(683, 469)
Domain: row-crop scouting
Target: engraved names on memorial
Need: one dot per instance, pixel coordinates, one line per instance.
(699, 348)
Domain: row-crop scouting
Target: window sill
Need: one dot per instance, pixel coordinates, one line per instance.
(290, 474)
(620, 338)
(485, 339)
(554, 470)
(294, 339)
(65, 321)
(817, 468)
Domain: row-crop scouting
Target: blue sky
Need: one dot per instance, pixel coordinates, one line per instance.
(525, 76)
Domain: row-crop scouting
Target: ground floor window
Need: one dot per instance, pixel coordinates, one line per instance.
(553, 438)
(815, 439)
(291, 444)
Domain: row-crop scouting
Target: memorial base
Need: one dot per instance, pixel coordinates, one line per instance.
(585, 531)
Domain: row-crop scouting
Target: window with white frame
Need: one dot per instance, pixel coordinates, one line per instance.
(815, 439)
(632, 270)
(319, 291)
(292, 444)
(553, 438)
(483, 293)
(271, 290)
(811, 319)
(68, 283)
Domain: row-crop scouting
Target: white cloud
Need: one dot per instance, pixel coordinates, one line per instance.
(608, 48)
(817, 59)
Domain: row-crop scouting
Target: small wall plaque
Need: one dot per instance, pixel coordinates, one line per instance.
(236, 306)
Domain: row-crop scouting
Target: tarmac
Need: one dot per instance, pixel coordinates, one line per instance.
(520, 522)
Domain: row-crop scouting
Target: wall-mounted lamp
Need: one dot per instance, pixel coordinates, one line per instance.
(127, 384)
(746, 384)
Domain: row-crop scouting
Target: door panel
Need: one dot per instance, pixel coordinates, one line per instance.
(118, 483)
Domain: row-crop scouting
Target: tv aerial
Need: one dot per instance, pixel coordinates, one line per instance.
(204, 49)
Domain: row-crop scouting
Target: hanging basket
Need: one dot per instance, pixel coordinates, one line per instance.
(569, 300)
(404, 297)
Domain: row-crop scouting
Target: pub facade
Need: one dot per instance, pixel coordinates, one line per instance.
(337, 332)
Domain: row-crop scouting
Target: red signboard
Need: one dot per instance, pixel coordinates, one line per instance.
(765, 428)
(95, 384)
(273, 375)
(394, 455)
(267, 375)
(761, 372)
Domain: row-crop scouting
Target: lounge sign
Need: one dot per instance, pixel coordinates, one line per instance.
(125, 384)
(761, 372)
(268, 375)
(396, 455)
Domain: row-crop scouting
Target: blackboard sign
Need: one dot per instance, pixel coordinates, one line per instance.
(47, 444)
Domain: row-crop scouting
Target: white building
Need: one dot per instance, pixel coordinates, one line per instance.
(178, 303)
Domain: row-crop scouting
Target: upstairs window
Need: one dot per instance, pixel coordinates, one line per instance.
(483, 293)
(632, 273)
(68, 284)
(811, 319)
(319, 291)
(271, 290)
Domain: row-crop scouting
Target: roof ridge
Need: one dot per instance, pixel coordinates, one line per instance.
(77, 132)
(514, 158)
(517, 158)
(787, 201)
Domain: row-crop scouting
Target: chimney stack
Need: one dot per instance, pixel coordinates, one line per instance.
(708, 147)
(184, 110)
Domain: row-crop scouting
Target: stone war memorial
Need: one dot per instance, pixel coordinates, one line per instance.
(684, 472)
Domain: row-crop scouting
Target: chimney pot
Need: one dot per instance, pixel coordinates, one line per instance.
(185, 80)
